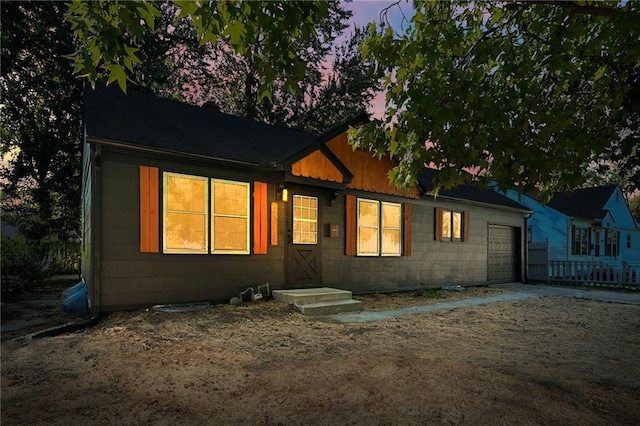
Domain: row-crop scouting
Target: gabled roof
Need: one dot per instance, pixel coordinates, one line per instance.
(586, 203)
(466, 192)
(147, 121)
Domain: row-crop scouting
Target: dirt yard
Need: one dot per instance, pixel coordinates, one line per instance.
(544, 361)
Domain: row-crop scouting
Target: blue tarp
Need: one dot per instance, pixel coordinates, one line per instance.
(74, 299)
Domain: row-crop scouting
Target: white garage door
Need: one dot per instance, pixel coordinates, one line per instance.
(504, 254)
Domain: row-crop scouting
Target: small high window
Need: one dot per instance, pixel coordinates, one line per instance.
(451, 225)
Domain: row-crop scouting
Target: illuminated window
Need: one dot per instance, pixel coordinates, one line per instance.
(379, 228)
(185, 215)
(230, 211)
(305, 219)
(451, 225)
(391, 228)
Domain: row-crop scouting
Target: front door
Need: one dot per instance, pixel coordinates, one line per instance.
(303, 248)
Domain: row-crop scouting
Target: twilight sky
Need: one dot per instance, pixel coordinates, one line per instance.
(365, 11)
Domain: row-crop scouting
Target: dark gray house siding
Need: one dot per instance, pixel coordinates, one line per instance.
(131, 278)
(431, 264)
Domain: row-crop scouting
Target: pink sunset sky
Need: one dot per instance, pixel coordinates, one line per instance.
(366, 11)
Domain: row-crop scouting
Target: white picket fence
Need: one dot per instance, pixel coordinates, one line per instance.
(541, 269)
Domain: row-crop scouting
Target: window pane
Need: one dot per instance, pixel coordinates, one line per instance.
(391, 216)
(230, 198)
(457, 225)
(185, 213)
(305, 219)
(230, 233)
(185, 231)
(367, 213)
(368, 241)
(391, 241)
(186, 193)
(446, 224)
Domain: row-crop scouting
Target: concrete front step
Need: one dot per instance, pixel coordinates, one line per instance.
(305, 296)
(330, 308)
(319, 301)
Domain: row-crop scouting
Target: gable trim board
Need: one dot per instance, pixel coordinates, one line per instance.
(130, 270)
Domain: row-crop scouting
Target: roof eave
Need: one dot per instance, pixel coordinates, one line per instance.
(175, 154)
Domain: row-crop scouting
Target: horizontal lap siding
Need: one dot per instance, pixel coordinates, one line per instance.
(132, 278)
(431, 264)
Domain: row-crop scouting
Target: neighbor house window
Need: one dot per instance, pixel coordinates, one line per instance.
(580, 241)
(305, 219)
(379, 228)
(628, 241)
(230, 217)
(611, 243)
(596, 243)
(185, 213)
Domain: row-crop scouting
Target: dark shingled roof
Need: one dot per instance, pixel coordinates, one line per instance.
(145, 120)
(467, 192)
(586, 203)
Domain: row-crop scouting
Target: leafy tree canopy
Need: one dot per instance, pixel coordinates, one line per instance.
(523, 93)
(110, 34)
(323, 97)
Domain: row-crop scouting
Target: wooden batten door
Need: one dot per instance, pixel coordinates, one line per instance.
(303, 246)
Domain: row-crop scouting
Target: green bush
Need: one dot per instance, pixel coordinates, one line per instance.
(25, 259)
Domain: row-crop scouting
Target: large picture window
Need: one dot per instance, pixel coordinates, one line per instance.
(187, 217)
(185, 213)
(379, 228)
(230, 211)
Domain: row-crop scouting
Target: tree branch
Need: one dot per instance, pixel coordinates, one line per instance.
(586, 9)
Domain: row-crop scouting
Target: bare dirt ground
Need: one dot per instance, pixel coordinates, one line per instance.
(546, 361)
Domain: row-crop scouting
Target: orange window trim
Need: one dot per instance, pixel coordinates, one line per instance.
(260, 218)
(350, 231)
(438, 224)
(406, 238)
(149, 210)
(466, 223)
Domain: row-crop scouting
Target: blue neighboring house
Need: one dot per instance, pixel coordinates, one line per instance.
(590, 224)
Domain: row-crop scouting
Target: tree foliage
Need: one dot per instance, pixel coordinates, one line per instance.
(634, 208)
(337, 86)
(110, 34)
(523, 93)
(41, 120)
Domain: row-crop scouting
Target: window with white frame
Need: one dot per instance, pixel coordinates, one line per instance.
(305, 219)
(230, 217)
(187, 218)
(185, 213)
(379, 228)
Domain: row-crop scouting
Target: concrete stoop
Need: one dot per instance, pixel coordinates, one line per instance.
(319, 301)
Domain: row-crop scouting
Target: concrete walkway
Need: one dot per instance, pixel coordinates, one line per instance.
(523, 292)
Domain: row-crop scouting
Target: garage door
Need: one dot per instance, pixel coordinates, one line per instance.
(504, 254)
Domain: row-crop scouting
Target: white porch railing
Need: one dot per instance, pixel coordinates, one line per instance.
(593, 272)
